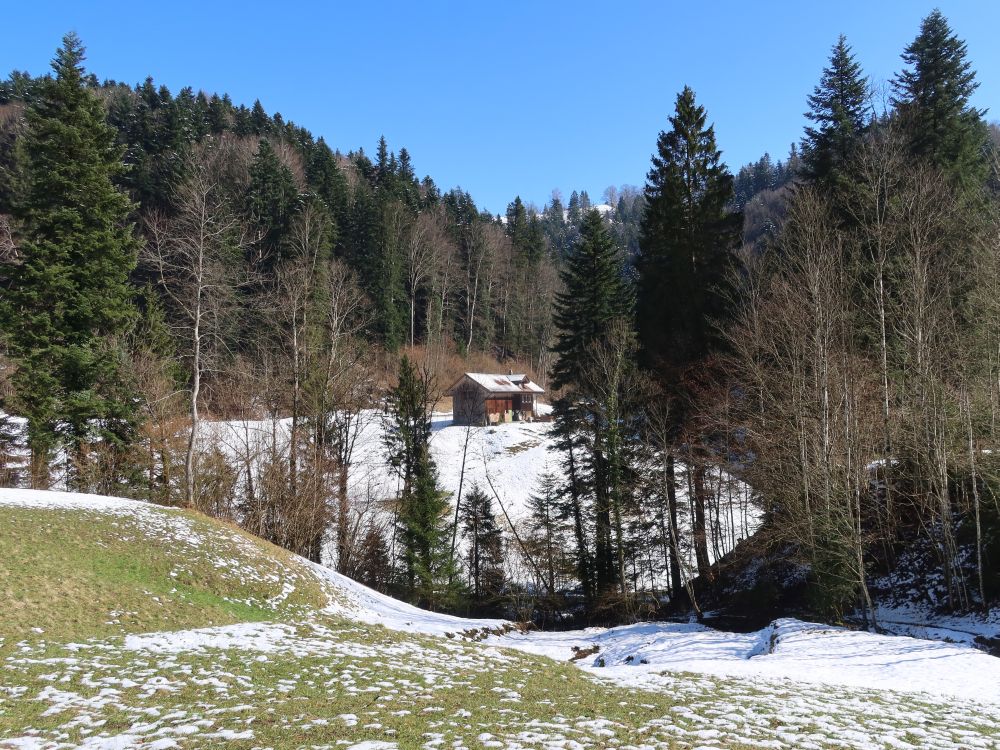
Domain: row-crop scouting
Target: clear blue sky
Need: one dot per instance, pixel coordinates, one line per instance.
(504, 98)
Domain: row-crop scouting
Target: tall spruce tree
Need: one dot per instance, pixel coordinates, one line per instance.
(485, 540)
(837, 107)
(932, 100)
(69, 300)
(596, 300)
(596, 293)
(272, 199)
(688, 235)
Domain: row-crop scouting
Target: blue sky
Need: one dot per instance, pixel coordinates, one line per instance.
(505, 98)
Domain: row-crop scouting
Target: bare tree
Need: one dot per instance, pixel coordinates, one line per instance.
(194, 253)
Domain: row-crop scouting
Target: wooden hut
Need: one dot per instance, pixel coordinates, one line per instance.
(482, 398)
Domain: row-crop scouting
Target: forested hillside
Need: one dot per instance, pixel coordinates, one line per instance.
(820, 333)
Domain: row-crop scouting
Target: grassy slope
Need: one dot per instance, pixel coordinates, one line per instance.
(88, 578)
(86, 573)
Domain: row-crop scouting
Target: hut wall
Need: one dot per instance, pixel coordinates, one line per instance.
(468, 404)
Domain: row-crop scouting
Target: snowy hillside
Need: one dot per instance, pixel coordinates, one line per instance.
(507, 459)
(322, 673)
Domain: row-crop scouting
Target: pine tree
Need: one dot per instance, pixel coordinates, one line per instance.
(688, 234)
(837, 107)
(272, 199)
(425, 538)
(544, 507)
(595, 304)
(932, 100)
(517, 221)
(596, 294)
(69, 300)
(409, 424)
(573, 211)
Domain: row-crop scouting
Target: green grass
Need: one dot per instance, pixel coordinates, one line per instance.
(87, 579)
(81, 574)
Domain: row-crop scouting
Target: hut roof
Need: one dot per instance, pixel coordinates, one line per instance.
(500, 383)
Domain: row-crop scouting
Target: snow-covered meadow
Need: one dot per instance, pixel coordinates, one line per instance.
(332, 678)
(507, 461)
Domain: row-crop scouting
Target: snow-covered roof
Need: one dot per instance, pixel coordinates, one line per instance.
(501, 383)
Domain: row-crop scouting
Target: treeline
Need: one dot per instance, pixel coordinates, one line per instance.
(865, 347)
(844, 366)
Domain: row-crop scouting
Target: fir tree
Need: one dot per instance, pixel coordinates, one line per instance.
(688, 234)
(517, 221)
(69, 300)
(272, 199)
(485, 539)
(409, 425)
(547, 517)
(425, 537)
(837, 109)
(596, 294)
(573, 212)
(422, 519)
(932, 100)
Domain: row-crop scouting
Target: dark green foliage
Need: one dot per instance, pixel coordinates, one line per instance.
(328, 182)
(486, 549)
(549, 522)
(596, 293)
(272, 200)
(422, 518)
(517, 220)
(408, 410)
(424, 536)
(688, 235)
(932, 100)
(833, 587)
(837, 107)
(68, 301)
(10, 474)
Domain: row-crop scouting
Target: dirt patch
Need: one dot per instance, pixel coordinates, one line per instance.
(583, 653)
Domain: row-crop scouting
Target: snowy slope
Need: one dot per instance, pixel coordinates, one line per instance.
(790, 686)
(635, 655)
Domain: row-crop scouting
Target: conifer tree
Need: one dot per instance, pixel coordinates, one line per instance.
(596, 294)
(596, 302)
(428, 568)
(517, 221)
(272, 200)
(422, 518)
(544, 505)
(837, 107)
(932, 99)
(688, 234)
(69, 300)
(485, 539)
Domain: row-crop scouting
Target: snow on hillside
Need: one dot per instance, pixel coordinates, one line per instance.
(787, 649)
(791, 685)
(507, 458)
(635, 654)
